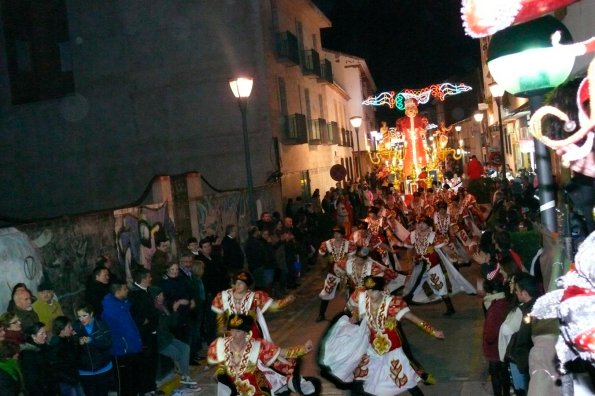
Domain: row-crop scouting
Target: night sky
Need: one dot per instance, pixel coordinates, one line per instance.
(406, 43)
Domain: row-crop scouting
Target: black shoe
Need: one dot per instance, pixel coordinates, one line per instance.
(320, 318)
(449, 312)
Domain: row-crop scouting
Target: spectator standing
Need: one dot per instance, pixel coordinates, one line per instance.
(47, 306)
(147, 319)
(97, 289)
(126, 341)
(24, 309)
(474, 168)
(13, 330)
(168, 345)
(63, 357)
(193, 285)
(94, 361)
(38, 378)
(256, 255)
(215, 279)
(11, 377)
(176, 289)
(160, 258)
(15, 288)
(105, 261)
(231, 251)
(197, 317)
(526, 289)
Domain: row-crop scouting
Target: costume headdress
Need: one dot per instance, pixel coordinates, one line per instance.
(240, 322)
(244, 276)
(374, 283)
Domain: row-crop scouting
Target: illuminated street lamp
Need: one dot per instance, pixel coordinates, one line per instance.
(356, 122)
(524, 62)
(497, 92)
(241, 88)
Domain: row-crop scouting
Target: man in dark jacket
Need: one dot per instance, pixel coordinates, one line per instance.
(231, 251)
(146, 318)
(97, 288)
(126, 340)
(526, 289)
(215, 279)
(256, 256)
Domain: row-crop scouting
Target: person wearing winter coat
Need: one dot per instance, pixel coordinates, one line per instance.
(64, 356)
(126, 342)
(38, 378)
(94, 360)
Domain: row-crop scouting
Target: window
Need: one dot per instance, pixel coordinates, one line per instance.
(37, 50)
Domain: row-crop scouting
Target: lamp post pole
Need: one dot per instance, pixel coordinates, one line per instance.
(356, 122)
(241, 88)
(243, 104)
(497, 92)
(502, 141)
(543, 163)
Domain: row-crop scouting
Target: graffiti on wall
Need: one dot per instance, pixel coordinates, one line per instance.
(68, 250)
(216, 211)
(20, 262)
(137, 231)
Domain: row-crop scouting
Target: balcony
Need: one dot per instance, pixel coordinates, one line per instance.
(333, 132)
(295, 129)
(318, 131)
(326, 72)
(287, 49)
(311, 63)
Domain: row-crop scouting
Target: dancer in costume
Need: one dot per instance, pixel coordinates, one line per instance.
(336, 250)
(239, 358)
(241, 300)
(369, 354)
(379, 250)
(360, 265)
(427, 267)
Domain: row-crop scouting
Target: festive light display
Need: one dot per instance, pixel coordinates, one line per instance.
(423, 95)
(483, 18)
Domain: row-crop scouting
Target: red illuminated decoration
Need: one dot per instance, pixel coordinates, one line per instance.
(485, 17)
(413, 129)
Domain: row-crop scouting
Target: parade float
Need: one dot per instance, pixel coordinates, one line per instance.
(414, 152)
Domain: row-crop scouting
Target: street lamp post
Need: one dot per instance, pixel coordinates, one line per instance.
(523, 60)
(356, 122)
(478, 117)
(497, 92)
(241, 88)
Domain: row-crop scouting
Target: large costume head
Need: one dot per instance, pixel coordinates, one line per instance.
(411, 108)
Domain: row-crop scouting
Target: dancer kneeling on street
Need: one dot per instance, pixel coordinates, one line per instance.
(241, 359)
(369, 355)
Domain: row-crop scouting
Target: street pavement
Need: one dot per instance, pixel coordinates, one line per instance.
(456, 362)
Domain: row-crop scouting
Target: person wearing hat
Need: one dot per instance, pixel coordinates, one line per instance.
(240, 356)
(350, 357)
(241, 300)
(47, 306)
(335, 250)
